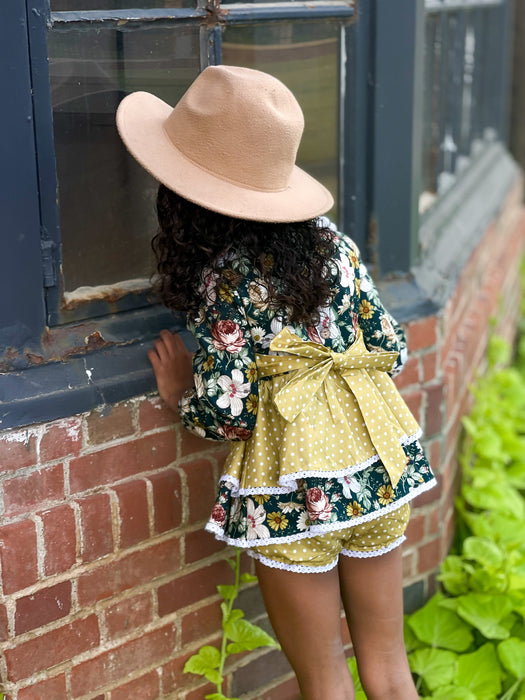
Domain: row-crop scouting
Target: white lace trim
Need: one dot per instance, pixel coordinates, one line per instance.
(315, 530)
(296, 568)
(288, 483)
(304, 569)
(374, 553)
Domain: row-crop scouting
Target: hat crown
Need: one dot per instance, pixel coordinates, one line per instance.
(239, 124)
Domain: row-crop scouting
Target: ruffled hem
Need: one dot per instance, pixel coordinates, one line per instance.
(304, 569)
(314, 530)
(288, 482)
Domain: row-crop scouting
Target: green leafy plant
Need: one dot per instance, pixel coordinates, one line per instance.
(238, 635)
(468, 641)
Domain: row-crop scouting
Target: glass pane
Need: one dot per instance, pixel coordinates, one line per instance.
(82, 5)
(305, 56)
(106, 199)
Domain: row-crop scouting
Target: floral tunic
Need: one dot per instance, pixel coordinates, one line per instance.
(234, 326)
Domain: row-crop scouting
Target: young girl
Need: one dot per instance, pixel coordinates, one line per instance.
(293, 368)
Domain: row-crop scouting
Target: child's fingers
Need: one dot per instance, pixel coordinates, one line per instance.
(162, 350)
(173, 343)
(154, 359)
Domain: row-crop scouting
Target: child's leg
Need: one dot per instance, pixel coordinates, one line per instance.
(373, 600)
(305, 610)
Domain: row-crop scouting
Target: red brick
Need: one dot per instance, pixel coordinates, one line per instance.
(409, 564)
(96, 525)
(4, 628)
(409, 374)
(422, 333)
(201, 623)
(191, 443)
(16, 454)
(200, 692)
(153, 413)
(434, 409)
(415, 531)
(201, 488)
(109, 424)
(121, 461)
(433, 452)
(167, 502)
(414, 401)
(430, 365)
(42, 607)
(52, 648)
(255, 673)
(286, 690)
(18, 554)
(60, 440)
(193, 587)
(60, 540)
(51, 689)
(429, 556)
(23, 494)
(434, 521)
(201, 544)
(133, 512)
(173, 676)
(150, 648)
(130, 570)
(431, 496)
(146, 688)
(129, 614)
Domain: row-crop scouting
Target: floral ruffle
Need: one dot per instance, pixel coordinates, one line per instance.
(319, 504)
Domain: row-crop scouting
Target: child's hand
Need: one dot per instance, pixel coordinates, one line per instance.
(172, 364)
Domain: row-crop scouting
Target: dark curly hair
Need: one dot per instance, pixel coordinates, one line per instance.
(299, 278)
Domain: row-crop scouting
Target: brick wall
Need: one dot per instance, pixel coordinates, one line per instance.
(108, 581)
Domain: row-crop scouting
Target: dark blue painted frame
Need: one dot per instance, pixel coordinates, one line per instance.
(50, 370)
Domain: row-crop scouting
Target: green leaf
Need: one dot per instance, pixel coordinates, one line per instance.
(495, 497)
(352, 665)
(485, 612)
(512, 655)
(482, 550)
(411, 641)
(435, 666)
(453, 575)
(246, 636)
(480, 671)
(440, 627)
(218, 696)
(248, 578)
(488, 581)
(227, 592)
(453, 692)
(205, 663)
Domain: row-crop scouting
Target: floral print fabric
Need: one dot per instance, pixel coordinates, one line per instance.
(235, 324)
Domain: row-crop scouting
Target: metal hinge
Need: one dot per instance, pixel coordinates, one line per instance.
(48, 262)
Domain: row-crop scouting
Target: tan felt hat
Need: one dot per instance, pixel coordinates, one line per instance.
(229, 145)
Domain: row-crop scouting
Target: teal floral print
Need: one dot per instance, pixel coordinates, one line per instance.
(236, 322)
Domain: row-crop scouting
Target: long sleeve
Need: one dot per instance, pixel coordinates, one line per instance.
(380, 330)
(222, 405)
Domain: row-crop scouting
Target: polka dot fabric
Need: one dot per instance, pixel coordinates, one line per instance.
(321, 441)
(318, 554)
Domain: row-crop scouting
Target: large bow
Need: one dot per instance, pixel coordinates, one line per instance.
(312, 365)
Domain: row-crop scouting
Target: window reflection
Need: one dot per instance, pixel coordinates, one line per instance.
(305, 56)
(106, 199)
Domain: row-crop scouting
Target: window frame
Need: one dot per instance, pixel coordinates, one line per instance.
(57, 365)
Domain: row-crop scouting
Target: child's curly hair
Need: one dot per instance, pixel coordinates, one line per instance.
(298, 273)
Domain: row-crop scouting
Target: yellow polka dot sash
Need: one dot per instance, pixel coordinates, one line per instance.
(322, 413)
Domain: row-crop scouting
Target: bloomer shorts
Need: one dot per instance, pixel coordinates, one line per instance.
(321, 553)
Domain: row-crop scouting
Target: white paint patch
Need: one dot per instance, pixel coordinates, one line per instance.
(20, 435)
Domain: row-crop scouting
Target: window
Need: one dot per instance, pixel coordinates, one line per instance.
(95, 207)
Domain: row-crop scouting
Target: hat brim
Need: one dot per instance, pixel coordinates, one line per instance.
(140, 122)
